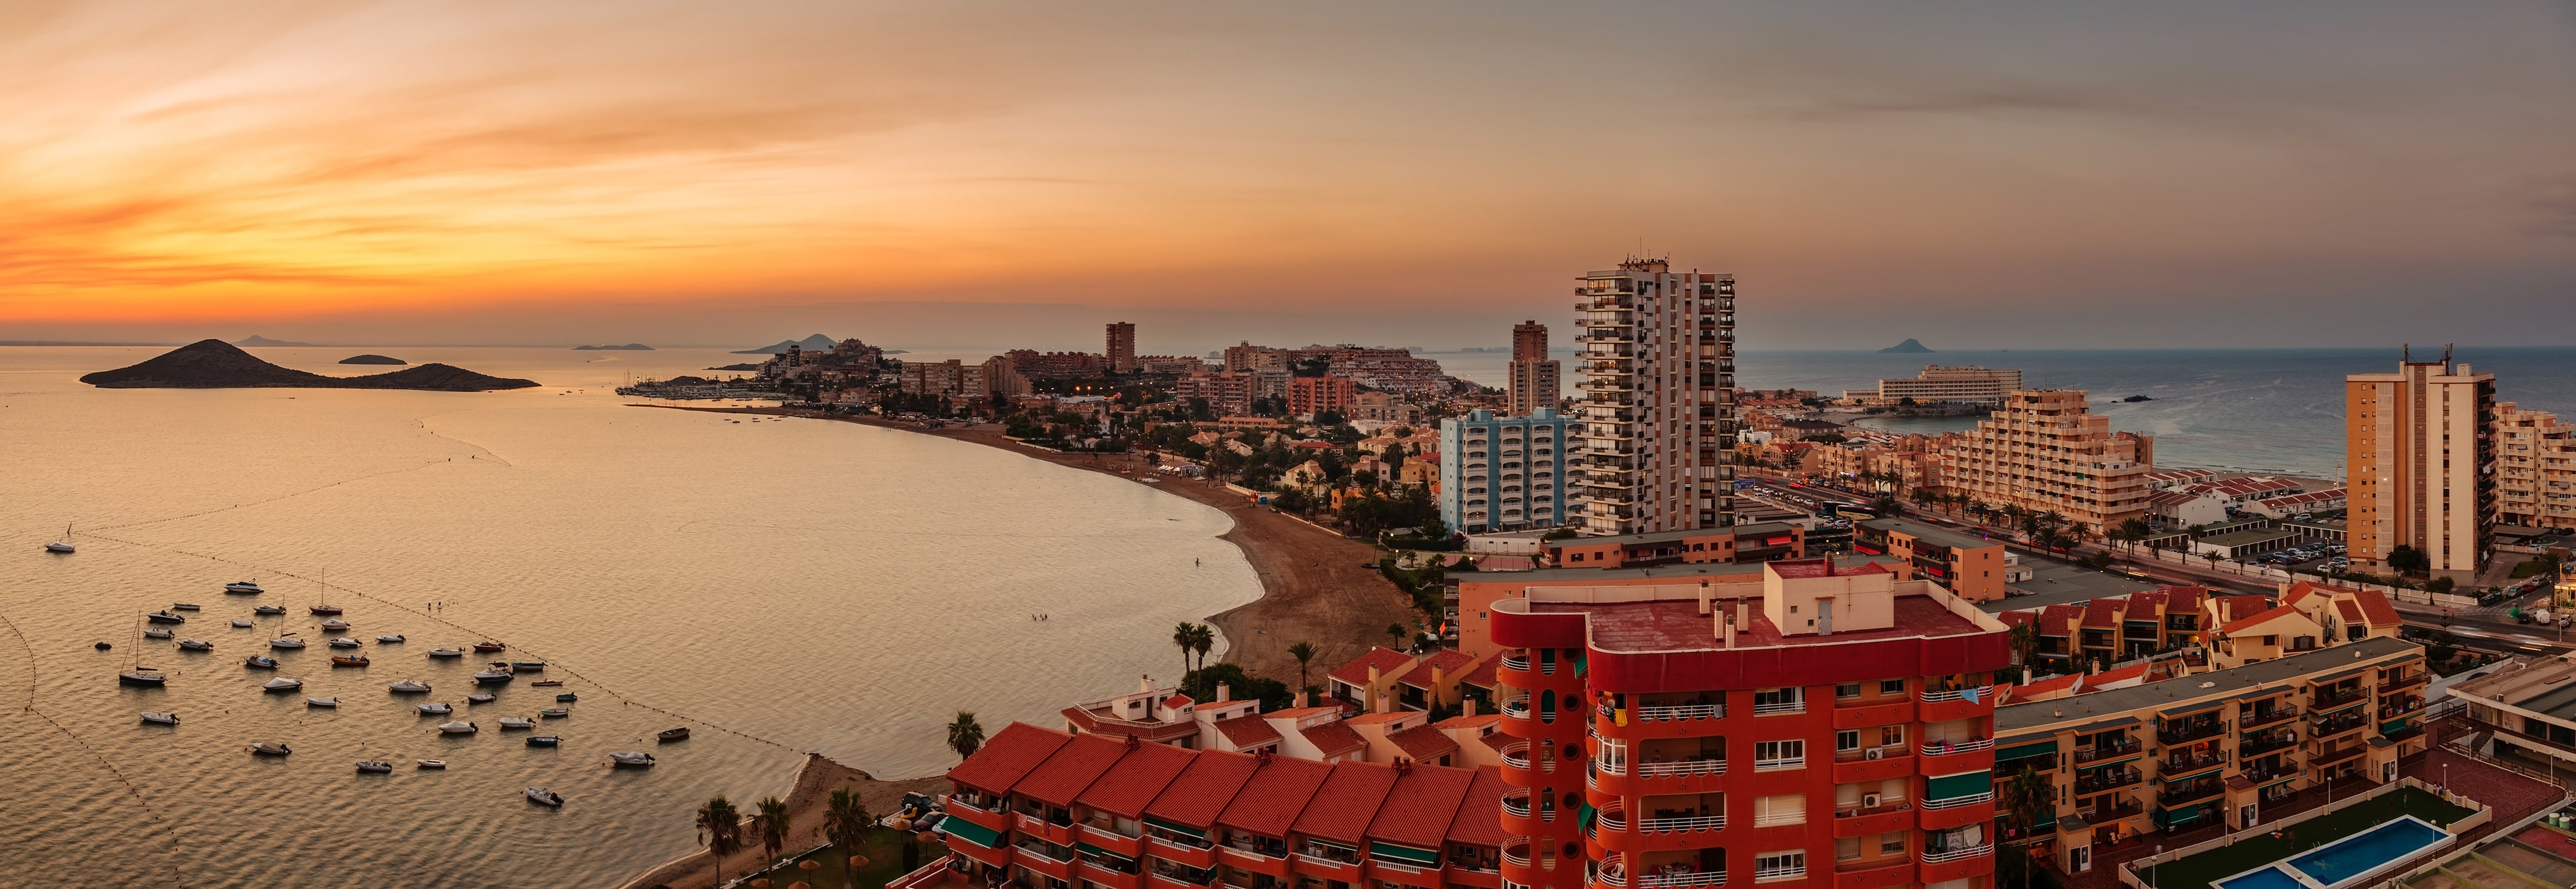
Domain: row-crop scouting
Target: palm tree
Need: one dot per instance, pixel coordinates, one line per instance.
(1185, 634)
(2024, 641)
(1202, 638)
(771, 823)
(1304, 652)
(720, 827)
(845, 822)
(2024, 796)
(1397, 632)
(965, 735)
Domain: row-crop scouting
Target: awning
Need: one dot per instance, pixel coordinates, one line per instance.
(2020, 751)
(1089, 849)
(974, 833)
(2392, 726)
(1957, 786)
(1329, 844)
(1191, 832)
(1405, 854)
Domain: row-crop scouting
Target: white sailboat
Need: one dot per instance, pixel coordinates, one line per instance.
(64, 545)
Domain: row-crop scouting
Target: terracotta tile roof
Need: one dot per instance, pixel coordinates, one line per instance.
(2232, 627)
(1177, 700)
(1418, 810)
(2059, 620)
(1269, 802)
(1301, 712)
(1008, 756)
(1423, 743)
(2043, 686)
(2102, 614)
(1498, 741)
(1387, 660)
(1448, 660)
(1479, 720)
(1480, 814)
(1349, 798)
(1375, 718)
(2351, 612)
(1138, 777)
(2145, 605)
(2375, 606)
(1483, 675)
(1247, 731)
(2123, 674)
(2238, 607)
(1071, 770)
(1202, 790)
(2183, 598)
(1333, 738)
(2016, 618)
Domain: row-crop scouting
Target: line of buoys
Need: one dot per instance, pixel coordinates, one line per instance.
(260, 502)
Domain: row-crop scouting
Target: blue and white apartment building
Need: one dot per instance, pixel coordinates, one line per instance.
(1505, 473)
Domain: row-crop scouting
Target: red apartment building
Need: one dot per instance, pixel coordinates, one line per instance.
(1308, 396)
(1058, 811)
(1826, 727)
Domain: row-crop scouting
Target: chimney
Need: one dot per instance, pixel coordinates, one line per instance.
(1373, 704)
(1703, 595)
(1301, 699)
(1223, 694)
(1145, 683)
(1466, 706)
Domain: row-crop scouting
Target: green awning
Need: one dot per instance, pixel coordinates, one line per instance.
(973, 832)
(2177, 779)
(2042, 748)
(1957, 786)
(1329, 844)
(1089, 849)
(2392, 727)
(1408, 855)
(2047, 819)
(1191, 832)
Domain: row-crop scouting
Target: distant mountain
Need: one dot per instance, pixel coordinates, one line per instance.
(1909, 345)
(257, 340)
(815, 343)
(215, 364)
(372, 359)
(629, 347)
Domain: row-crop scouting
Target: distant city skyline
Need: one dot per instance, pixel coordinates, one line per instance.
(2043, 176)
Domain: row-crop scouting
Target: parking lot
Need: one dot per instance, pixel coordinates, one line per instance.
(2322, 556)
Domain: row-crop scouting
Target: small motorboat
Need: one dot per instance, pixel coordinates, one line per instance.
(241, 625)
(458, 728)
(260, 662)
(480, 697)
(544, 797)
(165, 617)
(348, 660)
(142, 676)
(64, 545)
(511, 722)
(527, 666)
(431, 763)
(543, 740)
(346, 643)
(631, 760)
(323, 609)
(446, 652)
(408, 686)
(554, 713)
(270, 748)
(492, 677)
(389, 638)
(335, 625)
(195, 645)
(183, 606)
(669, 735)
(546, 683)
(376, 766)
(102, 646)
(321, 702)
(286, 641)
(566, 698)
(281, 684)
(155, 633)
(269, 609)
(244, 586)
(489, 646)
(435, 709)
(156, 717)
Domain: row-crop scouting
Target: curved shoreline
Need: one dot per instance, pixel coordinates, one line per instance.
(807, 791)
(1314, 586)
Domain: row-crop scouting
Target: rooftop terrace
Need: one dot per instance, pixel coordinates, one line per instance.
(1671, 625)
(2249, 681)
(2544, 685)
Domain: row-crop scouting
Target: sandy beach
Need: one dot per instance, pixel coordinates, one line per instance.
(1316, 585)
(815, 781)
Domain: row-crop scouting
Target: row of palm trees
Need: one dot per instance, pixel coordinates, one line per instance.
(1193, 638)
(723, 830)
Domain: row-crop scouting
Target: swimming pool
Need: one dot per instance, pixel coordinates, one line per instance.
(2347, 861)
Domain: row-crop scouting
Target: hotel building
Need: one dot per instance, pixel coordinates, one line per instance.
(1937, 383)
(1534, 376)
(1506, 473)
(1657, 404)
(2223, 745)
(2044, 450)
(1971, 567)
(1825, 724)
(2421, 446)
(2535, 469)
(1308, 396)
(1122, 347)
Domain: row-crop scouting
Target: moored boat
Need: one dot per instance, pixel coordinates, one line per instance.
(244, 586)
(458, 728)
(408, 686)
(195, 645)
(566, 698)
(157, 717)
(334, 625)
(64, 545)
(431, 763)
(287, 641)
(631, 760)
(446, 652)
(527, 666)
(376, 766)
(281, 684)
(165, 617)
(546, 683)
(325, 703)
(346, 643)
(145, 677)
(543, 740)
(241, 625)
(389, 638)
(260, 662)
(669, 735)
(183, 606)
(489, 646)
(480, 697)
(348, 660)
(511, 722)
(544, 797)
(155, 633)
(554, 713)
(323, 609)
(492, 677)
(439, 709)
(270, 748)
(268, 609)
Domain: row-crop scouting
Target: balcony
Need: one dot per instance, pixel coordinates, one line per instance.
(2401, 708)
(2195, 791)
(1516, 852)
(2187, 763)
(2327, 699)
(2335, 725)
(1516, 662)
(1659, 713)
(2257, 746)
(2258, 720)
(1517, 708)
(1887, 816)
(2107, 780)
(1943, 748)
(1984, 693)
(2127, 747)
(2101, 814)
(1760, 709)
(1683, 767)
(1517, 803)
(1677, 825)
(1517, 755)
(2185, 734)
(2329, 758)
(1670, 879)
(2419, 677)
(1946, 856)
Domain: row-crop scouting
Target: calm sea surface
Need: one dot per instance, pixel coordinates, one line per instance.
(823, 586)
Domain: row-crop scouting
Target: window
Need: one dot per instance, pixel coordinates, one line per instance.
(1891, 844)
(1779, 865)
(1891, 736)
(1848, 739)
(1776, 810)
(1847, 690)
(1779, 700)
(1847, 848)
(1891, 686)
(1769, 755)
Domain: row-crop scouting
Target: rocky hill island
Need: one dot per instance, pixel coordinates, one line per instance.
(629, 347)
(215, 364)
(1908, 346)
(372, 359)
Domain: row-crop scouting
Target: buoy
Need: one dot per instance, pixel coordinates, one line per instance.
(104, 646)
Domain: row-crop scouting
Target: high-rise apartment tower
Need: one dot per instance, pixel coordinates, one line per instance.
(1658, 398)
(1534, 376)
(1122, 347)
(2421, 447)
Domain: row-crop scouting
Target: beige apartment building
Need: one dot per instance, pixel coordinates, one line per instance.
(1937, 383)
(2535, 469)
(1657, 408)
(2421, 446)
(2045, 450)
(1534, 376)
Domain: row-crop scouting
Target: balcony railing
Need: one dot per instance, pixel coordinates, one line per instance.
(1517, 755)
(1799, 706)
(1884, 806)
(1955, 802)
(2181, 764)
(2106, 751)
(2108, 779)
(1520, 858)
(1682, 878)
(1780, 871)
(1517, 708)
(2105, 814)
(2392, 711)
(2263, 719)
(2322, 760)
(1516, 662)
(1785, 762)
(1931, 857)
(1671, 825)
(1684, 767)
(1661, 713)
(2336, 725)
(2189, 733)
(2174, 796)
(1517, 806)
(1939, 748)
(2402, 683)
(1984, 693)
(2326, 698)
(2257, 746)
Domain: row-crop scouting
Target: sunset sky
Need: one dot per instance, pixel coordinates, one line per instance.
(969, 174)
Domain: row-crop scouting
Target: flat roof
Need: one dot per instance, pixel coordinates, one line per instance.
(1920, 531)
(2240, 538)
(1678, 625)
(2546, 686)
(1690, 570)
(1675, 536)
(2063, 713)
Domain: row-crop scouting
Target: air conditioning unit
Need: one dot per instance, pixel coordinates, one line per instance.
(1869, 800)
(1873, 753)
